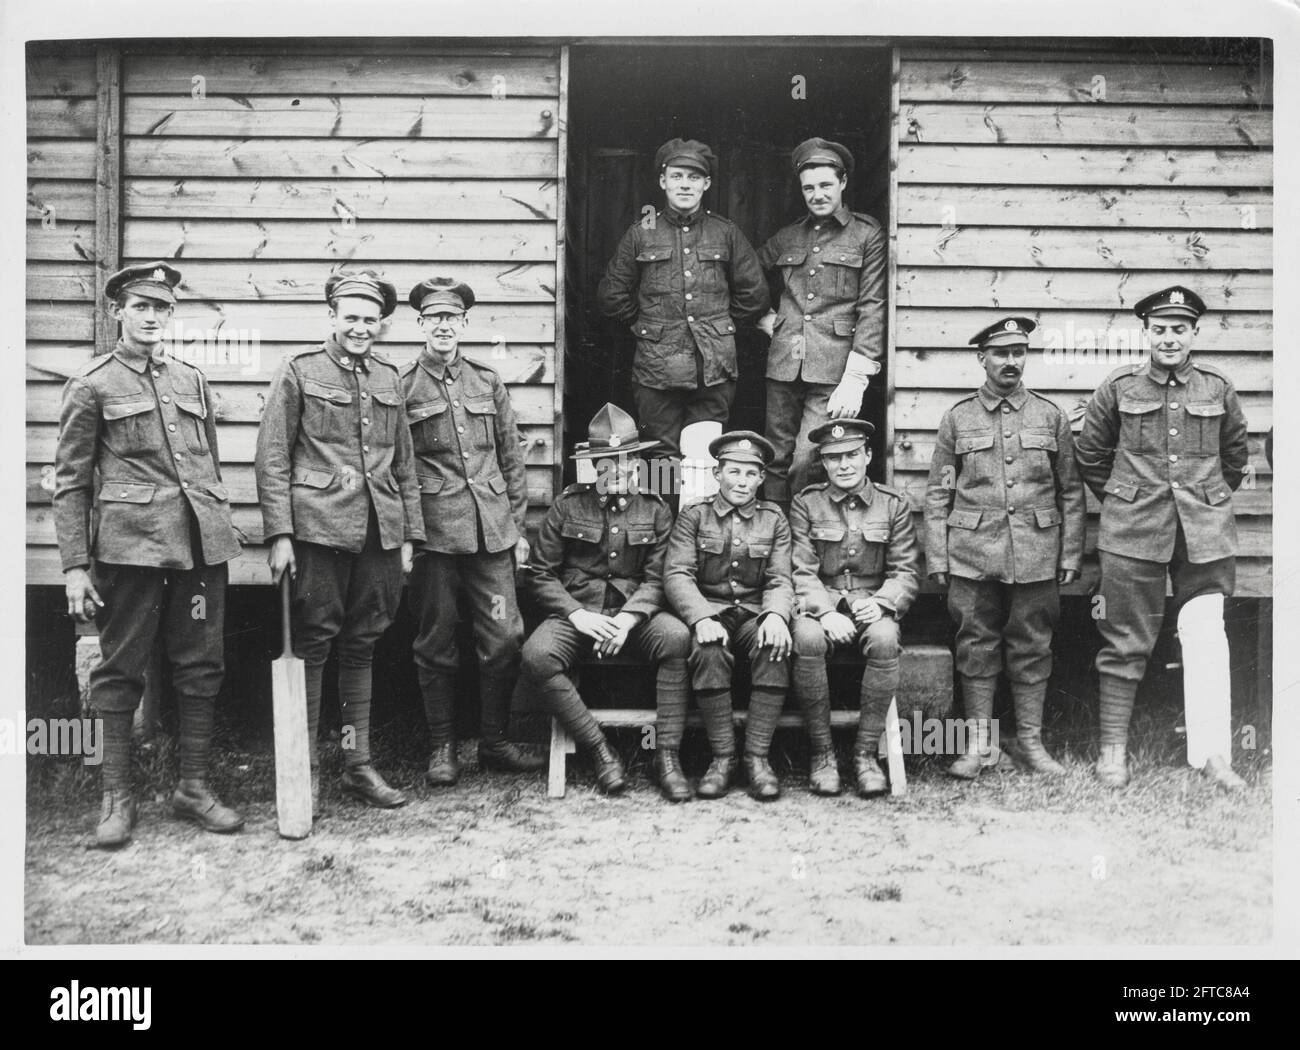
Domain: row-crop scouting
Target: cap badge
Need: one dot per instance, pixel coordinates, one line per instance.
(159, 275)
(744, 443)
(1010, 325)
(837, 431)
(615, 441)
(1177, 297)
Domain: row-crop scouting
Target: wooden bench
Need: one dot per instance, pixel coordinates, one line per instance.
(925, 676)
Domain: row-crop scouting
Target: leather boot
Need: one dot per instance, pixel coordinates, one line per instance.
(117, 814)
(443, 768)
(365, 783)
(609, 770)
(194, 801)
(717, 778)
(672, 781)
(1029, 698)
(824, 773)
(763, 784)
(508, 757)
(1218, 770)
(870, 777)
(1112, 765)
(979, 755)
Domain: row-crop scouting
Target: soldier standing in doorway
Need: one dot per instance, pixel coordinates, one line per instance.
(1005, 516)
(684, 280)
(828, 326)
(336, 480)
(138, 447)
(474, 497)
(1163, 446)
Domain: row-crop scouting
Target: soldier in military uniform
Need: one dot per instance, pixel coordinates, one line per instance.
(138, 446)
(1004, 529)
(597, 571)
(683, 282)
(341, 510)
(1163, 446)
(828, 326)
(855, 575)
(473, 494)
(728, 578)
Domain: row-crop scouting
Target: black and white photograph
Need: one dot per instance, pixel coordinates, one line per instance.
(574, 482)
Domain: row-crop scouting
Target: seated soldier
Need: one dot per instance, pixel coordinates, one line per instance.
(855, 575)
(597, 571)
(729, 579)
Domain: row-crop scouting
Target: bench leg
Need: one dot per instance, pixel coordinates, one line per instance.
(562, 745)
(894, 739)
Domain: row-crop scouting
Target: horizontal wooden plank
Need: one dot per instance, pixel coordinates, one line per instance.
(252, 323)
(304, 281)
(242, 402)
(1088, 249)
(1084, 166)
(244, 363)
(1125, 83)
(61, 118)
(343, 74)
(61, 76)
(1147, 207)
(62, 242)
(1085, 124)
(61, 159)
(61, 200)
(1080, 49)
(1066, 289)
(66, 281)
(1060, 370)
(237, 443)
(241, 482)
(921, 409)
(925, 327)
(340, 158)
(277, 239)
(356, 200)
(346, 116)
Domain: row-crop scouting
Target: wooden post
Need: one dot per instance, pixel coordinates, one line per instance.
(891, 264)
(894, 739)
(562, 745)
(108, 187)
(561, 271)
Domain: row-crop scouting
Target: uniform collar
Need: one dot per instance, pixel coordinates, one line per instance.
(722, 508)
(345, 358)
(439, 371)
(991, 398)
(1162, 375)
(137, 361)
(678, 218)
(605, 499)
(863, 492)
(842, 215)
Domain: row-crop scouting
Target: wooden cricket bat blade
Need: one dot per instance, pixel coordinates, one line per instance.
(292, 760)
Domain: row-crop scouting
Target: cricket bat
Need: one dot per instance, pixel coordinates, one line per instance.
(894, 750)
(292, 760)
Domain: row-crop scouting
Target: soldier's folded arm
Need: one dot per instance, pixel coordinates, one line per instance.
(74, 473)
(902, 563)
(749, 293)
(1094, 451)
(808, 587)
(648, 598)
(272, 463)
(541, 576)
(616, 292)
(940, 493)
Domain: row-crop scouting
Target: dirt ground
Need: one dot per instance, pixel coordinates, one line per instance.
(1009, 860)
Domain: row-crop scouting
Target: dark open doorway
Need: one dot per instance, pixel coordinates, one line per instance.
(624, 102)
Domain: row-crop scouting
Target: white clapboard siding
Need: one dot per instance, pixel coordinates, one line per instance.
(1066, 188)
(258, 173)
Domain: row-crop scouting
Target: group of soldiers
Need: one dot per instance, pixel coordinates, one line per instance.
(369, 475)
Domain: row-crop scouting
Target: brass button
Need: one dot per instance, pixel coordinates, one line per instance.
(816, 249)
(365, 421)
(686, 273)
(812, 272)
(1010, 482)
(157, 374)
(184, 485)
(455, 404)
(807, 317)
(165, 399)
(1009, 459)
(686, 229)
(464, 455)
(365, 448)
(613, 529)
(810, 295)
(613, 554)
(689, 296)
(1173, 484)
(1173, 431)
(735, 564)
(853, 550)
(1006, 433)
(368, 473)
(171, 426)
(176, 455)
(691, 319)
(460, 430)
(1011, 510)
(1173, 404)
(1173, 459)
(685, 251)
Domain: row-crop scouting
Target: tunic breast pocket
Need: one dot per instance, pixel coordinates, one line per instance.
(191, 421)
(426, 420)
(1038, 447)
(974, 450)
(131, 425)
(385, 417)
(844, 267)
(828, 539)
(1139, 419)
(656, 274)
(875, 542)
(482, 413)
(714, 260)
(326, 411)
(1204, 427)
